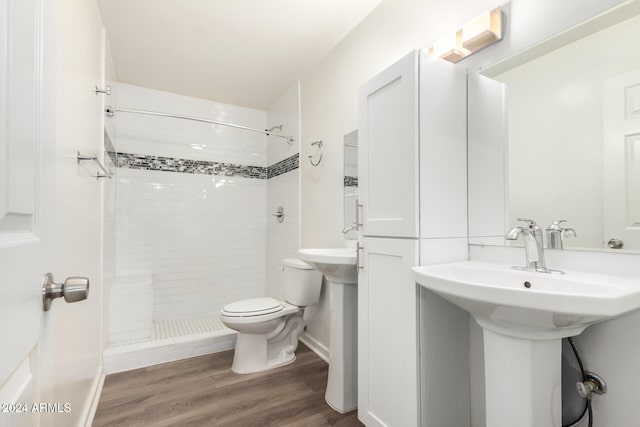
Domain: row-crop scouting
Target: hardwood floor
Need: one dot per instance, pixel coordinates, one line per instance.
(203, 391)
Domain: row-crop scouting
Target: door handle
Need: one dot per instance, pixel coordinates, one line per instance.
(74, 289)
(615, 244)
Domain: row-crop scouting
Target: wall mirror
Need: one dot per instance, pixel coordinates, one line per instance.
(350, 182)
(556, 136)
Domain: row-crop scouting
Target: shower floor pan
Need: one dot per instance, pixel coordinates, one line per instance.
(173, 339)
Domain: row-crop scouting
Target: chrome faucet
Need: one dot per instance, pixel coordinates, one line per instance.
(556, 234)
(533, 244)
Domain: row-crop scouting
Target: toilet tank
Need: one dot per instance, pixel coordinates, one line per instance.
(301, 282)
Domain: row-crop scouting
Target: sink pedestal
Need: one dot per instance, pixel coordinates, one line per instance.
(522, 381)
(338, 266)
(342, 384)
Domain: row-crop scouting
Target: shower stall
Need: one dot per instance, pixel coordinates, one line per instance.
(188, 226)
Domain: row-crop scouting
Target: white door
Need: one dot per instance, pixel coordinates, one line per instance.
(388, 153)
(387, 333)
(27, 145)
(622, 160)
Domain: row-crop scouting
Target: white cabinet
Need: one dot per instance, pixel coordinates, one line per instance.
(388, 154)
(412, 150)
(443, 149)
(412, 186)
(387, 329)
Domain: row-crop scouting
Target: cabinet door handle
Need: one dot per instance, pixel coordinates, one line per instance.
(358, 206)
(358, 249)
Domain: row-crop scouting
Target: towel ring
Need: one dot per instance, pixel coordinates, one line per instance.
(319, 145)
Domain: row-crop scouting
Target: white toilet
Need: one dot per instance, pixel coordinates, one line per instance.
(268, 329)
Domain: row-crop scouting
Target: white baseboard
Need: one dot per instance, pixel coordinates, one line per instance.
(128, 357)
(316, 346)
(94, 398)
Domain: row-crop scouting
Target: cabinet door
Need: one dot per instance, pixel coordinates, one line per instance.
(388, 151)
(387, 334)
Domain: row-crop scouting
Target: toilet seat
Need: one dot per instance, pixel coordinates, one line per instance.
(253, 307)
(255, 310)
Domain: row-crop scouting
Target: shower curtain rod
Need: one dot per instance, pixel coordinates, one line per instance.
(110, 111)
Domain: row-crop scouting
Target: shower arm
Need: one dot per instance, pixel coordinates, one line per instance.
(110, 111)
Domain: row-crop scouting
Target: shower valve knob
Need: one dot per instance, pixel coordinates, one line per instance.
(592, 384)
(585, 388)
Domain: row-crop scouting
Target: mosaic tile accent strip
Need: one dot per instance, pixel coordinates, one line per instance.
(284, 166)
(350, 181)
(109, 148)
(170, 164)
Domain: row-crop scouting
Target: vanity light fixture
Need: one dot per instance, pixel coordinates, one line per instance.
(482, 31)
(449, 48)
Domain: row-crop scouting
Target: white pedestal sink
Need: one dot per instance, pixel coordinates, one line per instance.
(339, 268)
(524, 316)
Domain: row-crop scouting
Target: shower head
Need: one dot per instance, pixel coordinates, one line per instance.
(279, 127)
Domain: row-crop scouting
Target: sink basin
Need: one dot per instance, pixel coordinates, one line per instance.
(529, 304)
(337, 264)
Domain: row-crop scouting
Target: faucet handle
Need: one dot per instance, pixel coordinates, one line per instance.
(555, 225)
(530, 223)
(565, 231)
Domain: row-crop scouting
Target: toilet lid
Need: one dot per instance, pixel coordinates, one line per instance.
(252, 307)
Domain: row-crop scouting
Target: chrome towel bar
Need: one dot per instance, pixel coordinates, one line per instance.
(83, 157)
(106, 90)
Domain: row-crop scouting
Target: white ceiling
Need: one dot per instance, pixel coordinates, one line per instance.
(243, 52)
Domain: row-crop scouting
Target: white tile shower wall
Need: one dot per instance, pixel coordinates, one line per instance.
(201, 237)
(282, 238)
(285, 112)
(282, 190)
(169, 137)
(130, 310)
